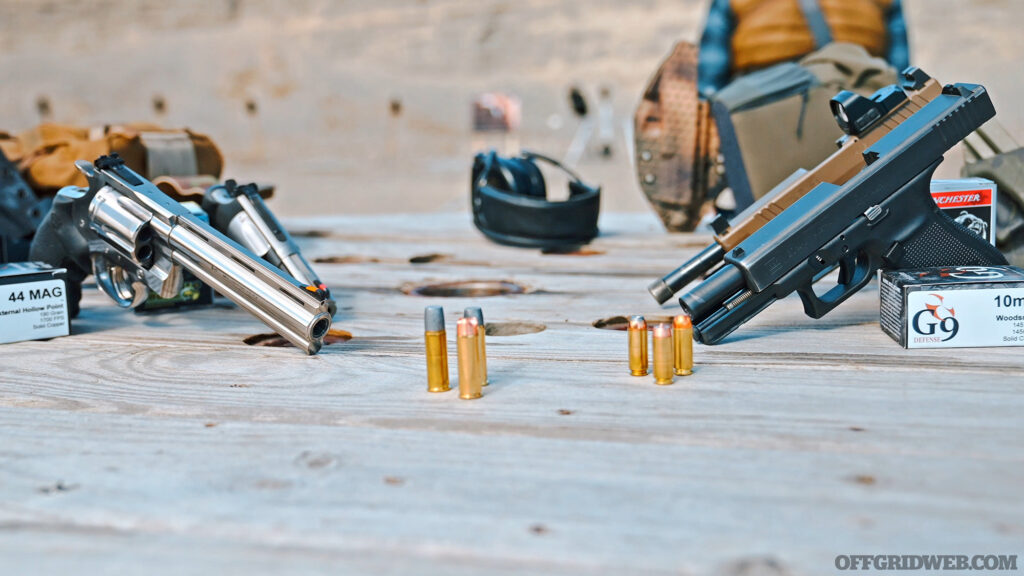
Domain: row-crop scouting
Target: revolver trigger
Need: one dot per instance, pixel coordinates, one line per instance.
(118, 283)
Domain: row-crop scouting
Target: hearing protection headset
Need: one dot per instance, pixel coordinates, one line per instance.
(510, 204)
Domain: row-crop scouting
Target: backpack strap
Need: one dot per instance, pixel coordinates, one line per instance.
(816, 21)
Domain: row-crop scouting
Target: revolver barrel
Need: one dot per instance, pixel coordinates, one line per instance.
(289, 309)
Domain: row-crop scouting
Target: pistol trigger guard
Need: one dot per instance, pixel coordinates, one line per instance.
(861, 270)
(116, 281)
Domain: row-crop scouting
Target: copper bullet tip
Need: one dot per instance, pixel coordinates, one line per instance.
(475, 312)
(663, 331)
(637, 323)
(466, 327)
(682, 322)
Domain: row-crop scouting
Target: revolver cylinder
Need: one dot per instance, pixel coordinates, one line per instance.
(124, 223)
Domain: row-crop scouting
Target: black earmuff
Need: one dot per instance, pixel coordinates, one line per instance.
(510, 204)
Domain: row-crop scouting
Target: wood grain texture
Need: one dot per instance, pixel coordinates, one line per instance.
(162, 444)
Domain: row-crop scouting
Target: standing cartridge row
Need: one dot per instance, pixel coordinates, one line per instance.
(471, 347)
(672, 348)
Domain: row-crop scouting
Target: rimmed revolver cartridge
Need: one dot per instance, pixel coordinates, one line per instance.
(468, 351)
(664, 355)
(637, 346)
(478, 314)
(682, 336)
(437, 349)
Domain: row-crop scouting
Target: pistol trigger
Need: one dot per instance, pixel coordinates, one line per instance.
(846, 268)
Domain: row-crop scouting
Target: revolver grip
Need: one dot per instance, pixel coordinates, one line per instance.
(943, 242)
(59, 243)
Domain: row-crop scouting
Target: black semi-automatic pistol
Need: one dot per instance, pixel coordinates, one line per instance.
(884, 216)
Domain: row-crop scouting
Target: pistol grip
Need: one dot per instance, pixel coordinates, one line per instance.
(943, 242)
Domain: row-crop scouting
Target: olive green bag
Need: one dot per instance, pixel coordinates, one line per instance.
(777, 120)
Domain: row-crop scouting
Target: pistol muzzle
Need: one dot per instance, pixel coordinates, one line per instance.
(660, 290)
(711, 294)
(694, 268)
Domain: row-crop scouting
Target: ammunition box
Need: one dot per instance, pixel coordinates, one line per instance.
(954, 307)
(970, 202)
(33, 302)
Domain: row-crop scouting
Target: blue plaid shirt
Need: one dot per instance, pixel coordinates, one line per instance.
(713, 69)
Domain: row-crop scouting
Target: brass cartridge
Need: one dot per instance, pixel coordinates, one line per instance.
(637, 346)
(664, 355)
(478, 313)
(437, 349)
(469, 368)
(478, 370)
(682, 336)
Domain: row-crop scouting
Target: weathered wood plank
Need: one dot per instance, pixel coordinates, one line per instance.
(162, 443)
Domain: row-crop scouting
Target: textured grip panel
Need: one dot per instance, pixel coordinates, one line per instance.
(943, 242)
(59, 244)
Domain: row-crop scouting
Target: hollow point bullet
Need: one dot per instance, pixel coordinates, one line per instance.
(469, 368)
(637, 346)
(664, 355)
(682, 336)
(478, 329)
(437, 349)
(478, 313)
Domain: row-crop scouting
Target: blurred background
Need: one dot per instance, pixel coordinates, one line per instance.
(365, 106)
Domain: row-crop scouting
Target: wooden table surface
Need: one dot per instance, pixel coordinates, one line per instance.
(163, 444)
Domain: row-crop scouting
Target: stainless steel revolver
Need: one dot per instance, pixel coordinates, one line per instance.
(133, 237)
